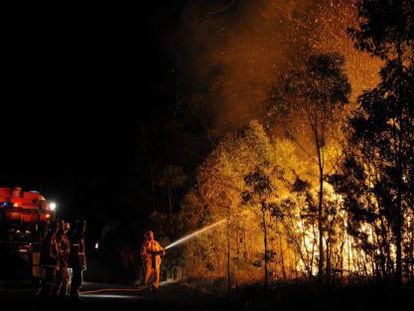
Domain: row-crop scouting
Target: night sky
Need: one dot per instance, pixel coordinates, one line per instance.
(78, 86)
(90, 93)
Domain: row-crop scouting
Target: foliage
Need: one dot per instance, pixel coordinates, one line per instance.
(296, 200)
(171, 178)
(386, 113)
(316, 93)
(253, 181)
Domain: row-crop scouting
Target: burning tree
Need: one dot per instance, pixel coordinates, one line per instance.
(260, 191)
(277, 231)
(286, 170)
(315, 95)
(220, 180)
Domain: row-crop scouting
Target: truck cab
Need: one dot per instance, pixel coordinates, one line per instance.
(24, 220)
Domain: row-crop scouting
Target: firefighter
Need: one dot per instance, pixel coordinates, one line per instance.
(49, 262)
(77, 258)
(151, 252)
(62, 279)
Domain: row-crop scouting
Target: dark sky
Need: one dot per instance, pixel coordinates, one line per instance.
(78, 83)
(87, 94)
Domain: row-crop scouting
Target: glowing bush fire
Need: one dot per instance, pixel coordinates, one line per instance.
(300, 197)
(234, 251)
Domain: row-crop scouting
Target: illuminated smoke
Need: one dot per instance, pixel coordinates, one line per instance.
(232, 55)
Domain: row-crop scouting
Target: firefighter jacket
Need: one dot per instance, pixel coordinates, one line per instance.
(151, 252)
(77, 257)
(50, 252)
(64, 244)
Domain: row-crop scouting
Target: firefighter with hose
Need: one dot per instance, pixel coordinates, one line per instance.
(77, 258)
(151, 252)
(63, 275)
(50, 263)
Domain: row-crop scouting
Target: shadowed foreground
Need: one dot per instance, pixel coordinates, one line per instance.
(180, 297)
(170, 297)
(310, 296)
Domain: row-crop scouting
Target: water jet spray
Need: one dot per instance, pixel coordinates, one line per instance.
(194, 234)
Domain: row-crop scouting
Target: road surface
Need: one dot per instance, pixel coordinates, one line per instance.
(98, 296)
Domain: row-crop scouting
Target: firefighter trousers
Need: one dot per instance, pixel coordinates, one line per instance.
(62, 282)
(152, 269)
(48, 287)
(77, 276)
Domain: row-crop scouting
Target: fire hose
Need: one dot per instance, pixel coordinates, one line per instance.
(161, 253)
(102, 290)
(137, 289)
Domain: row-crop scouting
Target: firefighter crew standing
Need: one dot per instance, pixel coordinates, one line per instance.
(151, 252)
(77, 258)
(63, 276)
(50, 263)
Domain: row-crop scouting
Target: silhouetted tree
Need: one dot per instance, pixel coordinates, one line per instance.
(384, 126)
(367, 221)
(171, 178)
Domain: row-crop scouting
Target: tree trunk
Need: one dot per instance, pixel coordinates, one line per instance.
(341, 261)
(313, 252)
(349, 257)
(266, 252)
(398, 241)
(170, 205)
(412, 256)
(282, 258)
(328, 251)
(400, 157)
(318, 146)
(328, 261)
(385, 249)
(320, 224)
(398, 221)
(228, 257)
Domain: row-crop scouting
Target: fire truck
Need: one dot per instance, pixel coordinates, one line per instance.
(24, 220)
